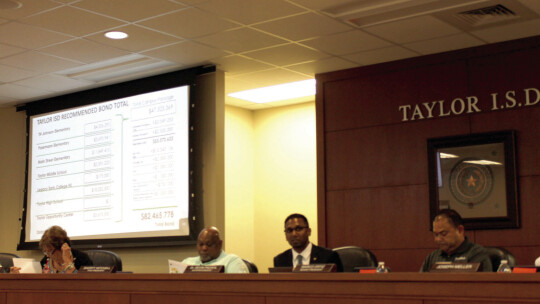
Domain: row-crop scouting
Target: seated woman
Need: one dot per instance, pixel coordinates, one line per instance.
(59, 257)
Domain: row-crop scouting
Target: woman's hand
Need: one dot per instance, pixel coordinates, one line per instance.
(67, 256)
(14, 270)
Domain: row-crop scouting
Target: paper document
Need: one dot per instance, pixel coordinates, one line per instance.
(27, 265)
(177, 267)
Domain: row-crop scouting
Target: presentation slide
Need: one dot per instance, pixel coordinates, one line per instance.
(116, 169)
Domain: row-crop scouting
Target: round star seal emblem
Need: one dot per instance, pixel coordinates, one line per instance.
(470, 183)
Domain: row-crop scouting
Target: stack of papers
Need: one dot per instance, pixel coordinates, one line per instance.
(27, 265)
(177, 267)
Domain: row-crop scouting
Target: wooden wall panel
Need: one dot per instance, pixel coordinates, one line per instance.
(379, 218)
(374, 99)
(368, 157)
(3, 298)
(384, 155)
(525, 121)
(528, 234)
(404, 260)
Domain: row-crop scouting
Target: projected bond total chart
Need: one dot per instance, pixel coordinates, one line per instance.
(154, 135)
(103, 166)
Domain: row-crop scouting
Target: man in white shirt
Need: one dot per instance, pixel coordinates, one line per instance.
(209, 246)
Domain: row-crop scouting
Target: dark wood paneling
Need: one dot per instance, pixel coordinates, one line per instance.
(404, 260)
(528, 234)
(525, 121)
(194, 299)
(385, 155)
(336, 300)
(273, 288)
(379, 218)
(68, 297)
(364, 149)
(374, 99)
(3, 298)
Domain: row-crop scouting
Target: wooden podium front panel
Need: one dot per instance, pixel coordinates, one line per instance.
(195, 299)
(294, 288)
(68, 298)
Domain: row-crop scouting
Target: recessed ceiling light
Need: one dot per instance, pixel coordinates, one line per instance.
(116, 35)
(278, 92)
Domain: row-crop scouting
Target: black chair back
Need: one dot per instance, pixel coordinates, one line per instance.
(105, 258)
(354, 256)
(497, 254)
(251, 266)
(6, 260)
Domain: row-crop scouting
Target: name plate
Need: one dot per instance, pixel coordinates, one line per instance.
(205, 269)
(97, 269)
(279, 269)
(455, 267)
(525, 269)
(367, 270)
(315, 268)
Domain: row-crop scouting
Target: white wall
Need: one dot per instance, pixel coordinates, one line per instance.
(282, 172)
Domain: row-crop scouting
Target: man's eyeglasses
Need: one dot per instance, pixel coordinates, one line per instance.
(297, 229)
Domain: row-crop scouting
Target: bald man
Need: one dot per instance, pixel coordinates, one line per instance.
(209, 246)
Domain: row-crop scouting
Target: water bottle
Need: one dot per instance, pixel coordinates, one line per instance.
(381, 268)
(504, 267)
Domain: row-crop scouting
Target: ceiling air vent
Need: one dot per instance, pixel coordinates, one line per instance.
(487, 15)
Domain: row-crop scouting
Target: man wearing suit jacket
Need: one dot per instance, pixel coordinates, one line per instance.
(297, 233)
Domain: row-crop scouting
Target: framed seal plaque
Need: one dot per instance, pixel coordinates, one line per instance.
(476, 176)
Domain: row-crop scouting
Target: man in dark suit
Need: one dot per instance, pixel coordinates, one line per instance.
(297, 233)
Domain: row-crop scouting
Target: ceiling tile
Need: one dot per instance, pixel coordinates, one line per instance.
(532, 4)
(9, 74)
(448, 43)
(53, 83)
(286, 54)
(303, 26)
(232, 84)
(28, 8)
(189, 2)
(181, 23)
(29, 37)
(414, 29)
(84, 51)
(21, 92)
(272, 77)
(321, 4)
(241, 40)
(322, 66)
(72, 21)
(34, 61)
(381, 55)
(130, 10)
(347, 43)
(140, 39)
(6, 50)
(187, 53)
(250, 11)
(509, 32)
(239, 64)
